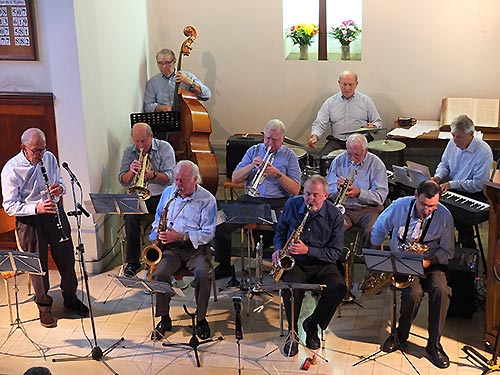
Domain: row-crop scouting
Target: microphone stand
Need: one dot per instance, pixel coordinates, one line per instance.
(238, 332)
(97, 354)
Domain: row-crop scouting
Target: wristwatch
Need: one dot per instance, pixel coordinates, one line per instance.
(154, 175)
(278, 176)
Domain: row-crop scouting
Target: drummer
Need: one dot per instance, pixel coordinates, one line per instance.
(367, 193)
(345, 111)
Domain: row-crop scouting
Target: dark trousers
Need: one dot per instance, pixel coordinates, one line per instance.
(436, 286)
(223, 231)
(329, 299)
(364, 217)
(133, 231)
(195, 260)
(35, 234)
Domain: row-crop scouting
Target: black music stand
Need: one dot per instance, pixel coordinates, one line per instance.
(20, 261)
(245, 214)
(292, 329)
(397, 263)
(161, 122)
(119, 204)
(152, 287)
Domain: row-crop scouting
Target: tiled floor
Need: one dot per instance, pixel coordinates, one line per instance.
(119, 312)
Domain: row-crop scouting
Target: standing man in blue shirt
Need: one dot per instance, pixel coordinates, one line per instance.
(282, 178)
(159, 94)
(465, 164)
(315, 253)
(190, 226)
(367, 192)
(421, 220)
(345, 111)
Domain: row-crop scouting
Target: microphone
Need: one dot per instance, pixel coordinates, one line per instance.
(238, 334)
(71, 174)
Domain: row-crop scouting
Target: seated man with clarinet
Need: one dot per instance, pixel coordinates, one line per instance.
(183, 228)
(309, 238)
(271, 173)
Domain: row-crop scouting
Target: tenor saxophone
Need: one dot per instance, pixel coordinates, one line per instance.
(286, 261)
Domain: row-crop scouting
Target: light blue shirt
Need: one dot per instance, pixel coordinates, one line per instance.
(160, 90)
(345, 114)
(194, 215)
(162, 158)
(371, 179)
(439, 236)
(23, 185)
(465, 168)
(285, 160)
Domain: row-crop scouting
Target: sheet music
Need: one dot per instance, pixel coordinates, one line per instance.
(448, 135)
(421, 127)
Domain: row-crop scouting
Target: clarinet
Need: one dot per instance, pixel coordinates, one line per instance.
(57, 214)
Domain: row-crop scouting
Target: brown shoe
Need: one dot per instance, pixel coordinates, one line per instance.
(47, 320)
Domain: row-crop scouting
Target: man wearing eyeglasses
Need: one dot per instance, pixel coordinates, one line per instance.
(31, 189)
(159, 94)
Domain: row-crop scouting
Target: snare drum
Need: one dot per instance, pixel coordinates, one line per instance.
(326, 160)
(302, 156)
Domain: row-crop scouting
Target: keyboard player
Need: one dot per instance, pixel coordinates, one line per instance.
(465, 163)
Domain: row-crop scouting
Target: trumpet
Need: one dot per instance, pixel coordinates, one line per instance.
(152, 254)
(348, 181)
(259, 176)
(63, 236)
(139, 183)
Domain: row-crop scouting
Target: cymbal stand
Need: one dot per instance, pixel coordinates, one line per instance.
(194, 342)
(488, 366)
(96, 354)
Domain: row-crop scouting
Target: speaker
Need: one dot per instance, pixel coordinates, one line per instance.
(461, 279)
(236, 146)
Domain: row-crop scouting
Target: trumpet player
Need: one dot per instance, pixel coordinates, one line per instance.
(25, 196)
(368, 187)
(424, 220)
(273, 180)
(160, 174)
(190, 226)
(316, 253)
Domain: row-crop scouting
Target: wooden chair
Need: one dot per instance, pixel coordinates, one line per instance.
(9, 241)
(232, 187)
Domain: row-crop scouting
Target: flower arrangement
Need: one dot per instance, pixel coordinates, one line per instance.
(302, 33)
(346, 33)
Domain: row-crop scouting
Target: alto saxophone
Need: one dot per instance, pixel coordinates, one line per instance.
(286, 261)
(152, 254)
(348, 181)
(63, 237)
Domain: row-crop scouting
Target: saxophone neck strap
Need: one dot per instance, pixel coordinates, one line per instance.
(420, 238)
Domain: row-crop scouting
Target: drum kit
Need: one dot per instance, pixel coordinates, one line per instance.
(311, 161)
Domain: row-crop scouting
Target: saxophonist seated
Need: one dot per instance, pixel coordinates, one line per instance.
(416, 221)
(271, 173)
(315, 246)
(357, 180)
(157, 173)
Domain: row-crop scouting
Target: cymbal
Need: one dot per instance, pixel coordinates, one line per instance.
(362, 130)
(387, 145)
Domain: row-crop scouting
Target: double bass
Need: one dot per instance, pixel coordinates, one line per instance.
(193, 141)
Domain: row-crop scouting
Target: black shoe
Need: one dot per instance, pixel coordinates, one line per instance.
(437, 356)
(163, 326)
(291, 347)
(132, 269)
(390, 345)
(311, 330)
(47, 320)
(223, 270)
(203, 329)
(76, 306)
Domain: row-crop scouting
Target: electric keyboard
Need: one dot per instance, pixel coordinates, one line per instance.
(463, 209)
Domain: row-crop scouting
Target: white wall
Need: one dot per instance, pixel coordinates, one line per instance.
(414, 54)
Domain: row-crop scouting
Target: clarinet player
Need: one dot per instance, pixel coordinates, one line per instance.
(316, 252)
(31, 189)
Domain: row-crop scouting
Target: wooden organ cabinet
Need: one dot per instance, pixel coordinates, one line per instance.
(492, 191)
